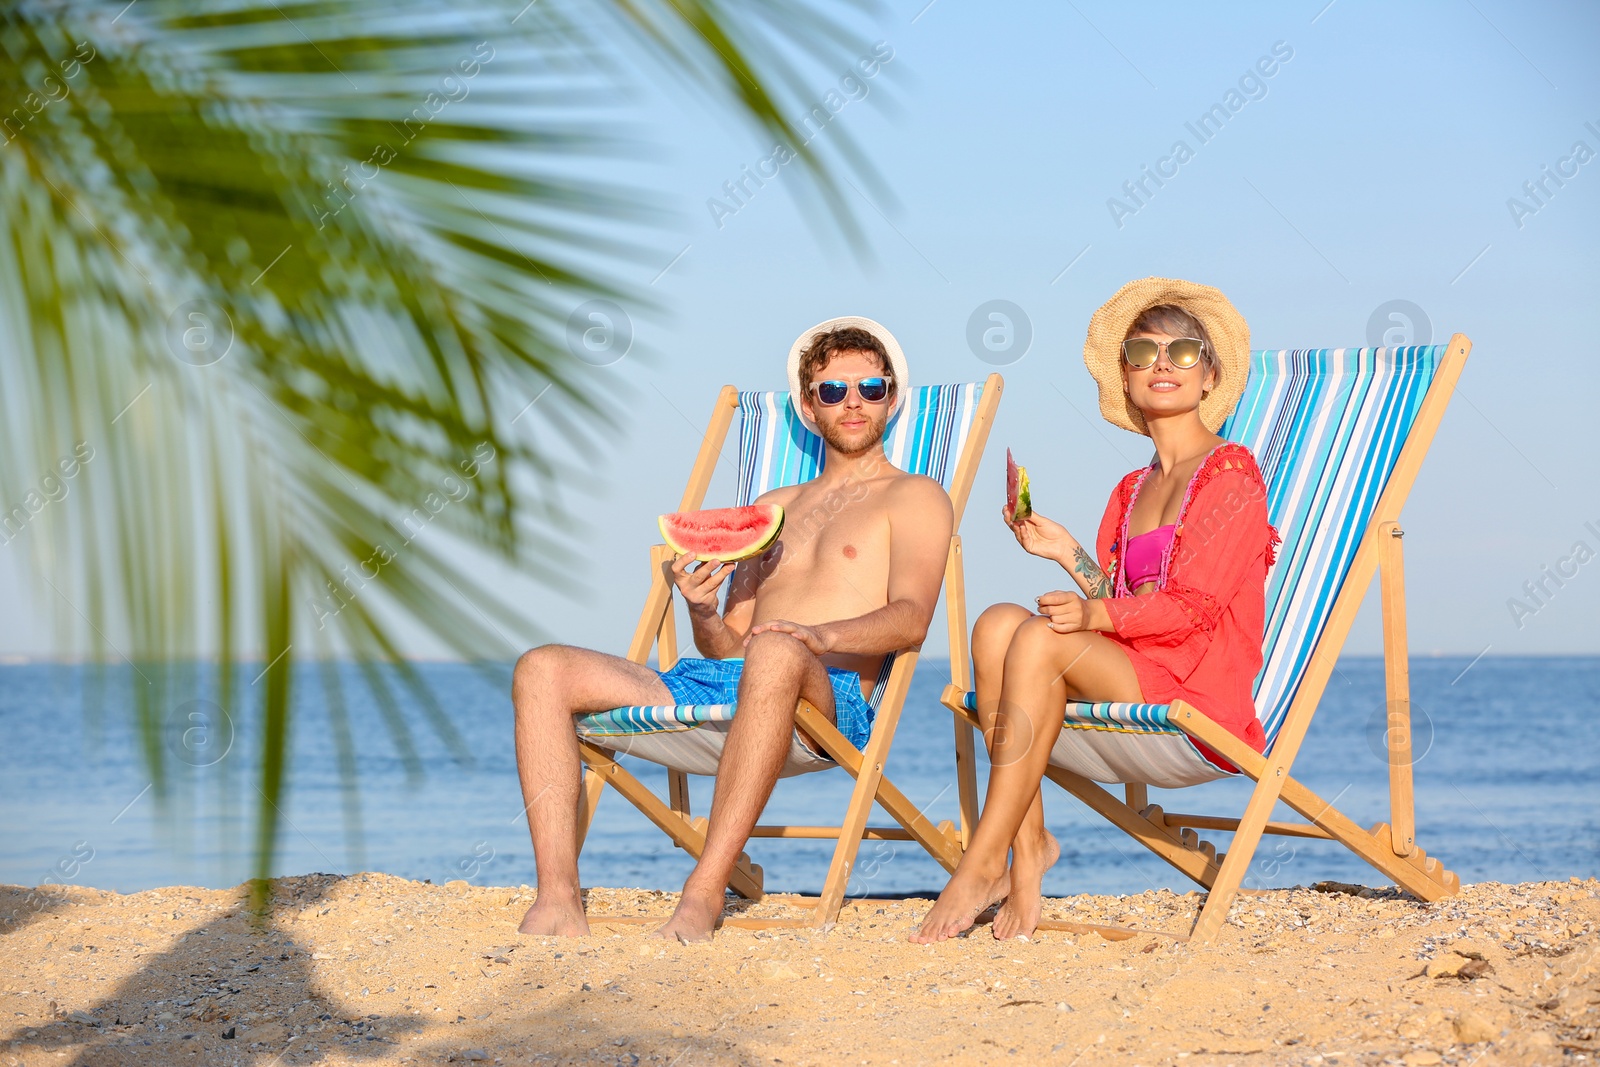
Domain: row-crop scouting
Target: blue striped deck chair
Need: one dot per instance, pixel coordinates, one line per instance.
(1339, 435)
(939, 431)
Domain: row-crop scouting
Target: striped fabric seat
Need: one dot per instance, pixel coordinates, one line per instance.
(775, 449)
(1326, 427)
(689, 737)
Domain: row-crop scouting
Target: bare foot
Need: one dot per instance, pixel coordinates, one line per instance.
(1019, 916)
(694, 919)
(1002, 888)
(967, 896)
(556, 914)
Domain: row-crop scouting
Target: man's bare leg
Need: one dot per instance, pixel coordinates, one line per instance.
(550, 685)
(1034, 850)
(778, 672)
(1043, 670)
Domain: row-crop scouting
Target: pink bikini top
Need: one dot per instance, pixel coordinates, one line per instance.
(1142, 558)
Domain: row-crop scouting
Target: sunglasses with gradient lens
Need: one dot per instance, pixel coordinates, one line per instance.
(831, 393)
(1182, 352)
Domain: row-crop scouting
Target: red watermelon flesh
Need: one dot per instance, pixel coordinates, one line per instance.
(726, 534)
(1019, 496)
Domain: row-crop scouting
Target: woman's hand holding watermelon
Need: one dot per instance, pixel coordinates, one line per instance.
(1042, 537)
(1037, 535)
(700, 586)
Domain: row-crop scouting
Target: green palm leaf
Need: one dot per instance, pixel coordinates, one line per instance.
(277, 284)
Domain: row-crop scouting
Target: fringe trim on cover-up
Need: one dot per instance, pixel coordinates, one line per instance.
(1225, 457)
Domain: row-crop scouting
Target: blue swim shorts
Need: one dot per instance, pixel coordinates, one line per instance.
(716, 681)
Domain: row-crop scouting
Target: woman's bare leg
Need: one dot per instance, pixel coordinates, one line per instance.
(1043, 670)
(1034, 849)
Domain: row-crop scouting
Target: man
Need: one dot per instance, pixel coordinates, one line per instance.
(855, 576)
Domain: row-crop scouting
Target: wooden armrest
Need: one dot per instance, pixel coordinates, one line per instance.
(656, 606)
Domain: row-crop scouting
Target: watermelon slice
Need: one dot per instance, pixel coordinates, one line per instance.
(1019, 498)
(726, 534)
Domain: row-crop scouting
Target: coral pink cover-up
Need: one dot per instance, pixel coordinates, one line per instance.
(1197, 636)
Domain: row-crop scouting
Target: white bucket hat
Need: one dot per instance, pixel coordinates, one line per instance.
(897, 360)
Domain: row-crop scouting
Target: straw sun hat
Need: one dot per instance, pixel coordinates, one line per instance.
(897, 361)
(1230, 337)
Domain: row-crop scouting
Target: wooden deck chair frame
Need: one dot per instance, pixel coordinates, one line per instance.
(1389, 847)
(657, 629)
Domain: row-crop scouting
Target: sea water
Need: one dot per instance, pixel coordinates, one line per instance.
(1507, 777)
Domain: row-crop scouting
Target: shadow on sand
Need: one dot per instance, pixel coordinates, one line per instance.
(227, 988)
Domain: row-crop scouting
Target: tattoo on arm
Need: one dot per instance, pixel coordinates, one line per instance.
(1094, 578)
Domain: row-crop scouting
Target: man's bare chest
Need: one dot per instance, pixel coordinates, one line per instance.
(838, 530)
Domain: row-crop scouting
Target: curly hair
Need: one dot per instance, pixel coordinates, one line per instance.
(824, 346)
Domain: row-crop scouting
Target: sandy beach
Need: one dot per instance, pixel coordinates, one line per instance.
(370, 968)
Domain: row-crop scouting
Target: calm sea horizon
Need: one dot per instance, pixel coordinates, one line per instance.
(1506, 786)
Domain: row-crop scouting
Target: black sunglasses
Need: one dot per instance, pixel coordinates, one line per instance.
(832, 392)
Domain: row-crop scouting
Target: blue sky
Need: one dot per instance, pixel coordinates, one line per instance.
(1374, 164)
(1376, 167)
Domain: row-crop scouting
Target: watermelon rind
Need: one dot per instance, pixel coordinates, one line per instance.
(677, 532)
(1024, 497)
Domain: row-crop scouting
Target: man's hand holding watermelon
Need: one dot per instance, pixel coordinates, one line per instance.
(702, 586)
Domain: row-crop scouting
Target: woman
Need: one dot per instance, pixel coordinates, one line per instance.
(1173, 609)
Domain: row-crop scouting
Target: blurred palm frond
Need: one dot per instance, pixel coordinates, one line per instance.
(279, 286)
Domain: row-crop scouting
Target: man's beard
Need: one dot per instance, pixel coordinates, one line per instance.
(846, 446)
